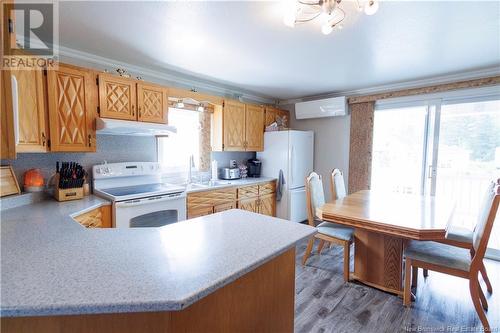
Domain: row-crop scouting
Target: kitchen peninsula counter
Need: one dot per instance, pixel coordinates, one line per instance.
(55, 271)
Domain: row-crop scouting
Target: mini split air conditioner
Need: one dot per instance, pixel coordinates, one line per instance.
(330, 107)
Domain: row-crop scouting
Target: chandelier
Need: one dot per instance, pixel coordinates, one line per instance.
(329, 11)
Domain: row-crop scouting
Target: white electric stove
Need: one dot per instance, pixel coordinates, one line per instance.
(139, 197)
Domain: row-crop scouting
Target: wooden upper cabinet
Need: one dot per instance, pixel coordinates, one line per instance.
(272, 113)
(71, 100)
(152, 103)
(234, 126)
(31, 117)
(270, 116)
(117, 97)
(7, 139)
(254, 121)
(238, 127)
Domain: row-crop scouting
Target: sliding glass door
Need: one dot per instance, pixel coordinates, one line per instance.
(468, 158)
(440, 147)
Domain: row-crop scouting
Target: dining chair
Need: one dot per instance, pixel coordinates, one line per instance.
(337, 184)
(462, 237)
(457, 261)
(327, 231)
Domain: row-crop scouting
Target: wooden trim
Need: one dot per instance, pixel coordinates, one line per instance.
(488, 81)
(8, 144)
(387, 229)
(200, 97)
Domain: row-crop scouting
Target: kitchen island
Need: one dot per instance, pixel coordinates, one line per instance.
(230, 271)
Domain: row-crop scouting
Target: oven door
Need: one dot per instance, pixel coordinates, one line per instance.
(154, 211)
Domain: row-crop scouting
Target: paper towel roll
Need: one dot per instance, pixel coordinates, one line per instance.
(215, 170)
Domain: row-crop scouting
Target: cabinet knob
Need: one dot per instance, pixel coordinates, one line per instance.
(43, 139)
(133, 110)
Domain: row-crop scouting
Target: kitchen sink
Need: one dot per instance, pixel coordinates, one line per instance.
(209, 184)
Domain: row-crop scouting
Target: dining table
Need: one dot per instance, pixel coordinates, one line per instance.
(383, 224)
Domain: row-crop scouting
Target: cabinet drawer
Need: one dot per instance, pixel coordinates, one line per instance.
(211, 198)
(248, 192)
(199, 211)
(267, 188)
(223, 207)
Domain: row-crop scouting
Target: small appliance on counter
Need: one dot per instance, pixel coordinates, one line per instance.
(229, 173)
(254, 166)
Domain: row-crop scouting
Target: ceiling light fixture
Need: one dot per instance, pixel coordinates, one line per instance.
(200, 108)
(179, 104)
(330, 11)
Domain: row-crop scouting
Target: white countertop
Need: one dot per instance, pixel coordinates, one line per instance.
(221, 183)
(50, 265)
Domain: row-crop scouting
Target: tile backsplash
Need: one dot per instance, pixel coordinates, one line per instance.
(110, 148)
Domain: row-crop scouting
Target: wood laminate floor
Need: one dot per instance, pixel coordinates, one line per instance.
(324, 303)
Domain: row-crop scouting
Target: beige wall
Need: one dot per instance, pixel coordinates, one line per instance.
(331, 143)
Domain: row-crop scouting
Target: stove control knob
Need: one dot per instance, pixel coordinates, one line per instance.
(106, 170)
(97, 170)
(152, 167)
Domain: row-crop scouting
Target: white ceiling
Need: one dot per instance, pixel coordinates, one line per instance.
(246, 45)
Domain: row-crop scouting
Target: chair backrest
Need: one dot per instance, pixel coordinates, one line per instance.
(487, 215)
(315, 196)
(337, 185)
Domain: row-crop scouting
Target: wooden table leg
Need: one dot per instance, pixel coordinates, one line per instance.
(378, 260)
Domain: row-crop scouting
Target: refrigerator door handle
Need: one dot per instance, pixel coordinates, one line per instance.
(292, 152)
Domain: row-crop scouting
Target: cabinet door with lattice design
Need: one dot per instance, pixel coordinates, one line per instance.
(285, 117)
(267, 204)
(270, 115)
(71, 109)
(249, 205)
(32, 122)
(234, 125)
(151, 103)
(254, 132)
(117, 97)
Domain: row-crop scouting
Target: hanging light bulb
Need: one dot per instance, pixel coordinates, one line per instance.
(371, 7)
(200, 108)
(290, 13)
(327, 28)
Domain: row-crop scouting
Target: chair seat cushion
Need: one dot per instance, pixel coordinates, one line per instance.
(335, 230)
(459, 234)
(439, 254)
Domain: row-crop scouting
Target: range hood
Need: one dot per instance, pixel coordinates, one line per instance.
(128, 127)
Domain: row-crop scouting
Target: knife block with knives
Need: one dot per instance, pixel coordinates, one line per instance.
(69, 181)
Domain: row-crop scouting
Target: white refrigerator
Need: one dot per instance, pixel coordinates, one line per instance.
(292, 152)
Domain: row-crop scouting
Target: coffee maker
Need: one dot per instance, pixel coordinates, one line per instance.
(254, 166)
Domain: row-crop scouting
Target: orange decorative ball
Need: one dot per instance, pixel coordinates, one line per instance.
(33, 178)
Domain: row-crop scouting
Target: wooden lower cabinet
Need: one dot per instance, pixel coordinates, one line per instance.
(209, 202)
(250, 205)
(258, 198)
(267, 204)
(254, 198)
(96, 218)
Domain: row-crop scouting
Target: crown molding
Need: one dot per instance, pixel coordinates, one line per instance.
(169, 77)
(457, 77)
